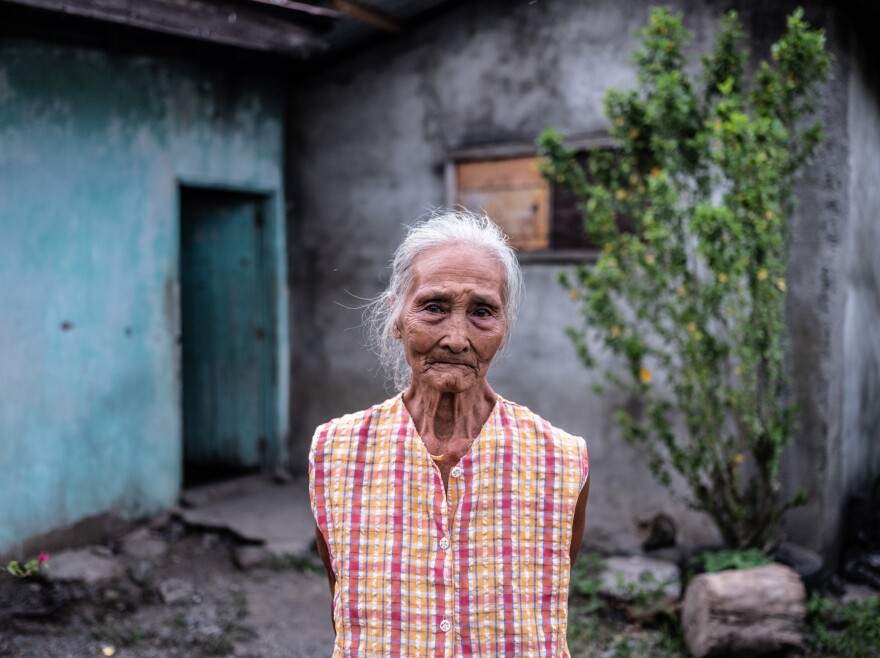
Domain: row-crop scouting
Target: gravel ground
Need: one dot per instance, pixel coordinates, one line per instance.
(194, 602)
(280, 610)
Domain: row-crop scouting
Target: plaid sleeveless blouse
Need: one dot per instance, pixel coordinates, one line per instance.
(480, 570)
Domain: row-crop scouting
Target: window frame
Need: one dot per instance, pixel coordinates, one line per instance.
(523, 149)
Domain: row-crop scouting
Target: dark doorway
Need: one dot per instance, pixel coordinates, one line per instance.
(227, 335)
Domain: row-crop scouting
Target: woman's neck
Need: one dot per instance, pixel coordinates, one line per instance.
(444, 418)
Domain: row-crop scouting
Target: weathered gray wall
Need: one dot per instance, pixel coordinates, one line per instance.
(816, 299)
(861, 265)
(369, 141)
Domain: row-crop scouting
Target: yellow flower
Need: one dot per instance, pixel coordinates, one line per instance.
(607, 248)
(762, 274)
(682, 291)
(645, 376)
(108, 650)
(574, 294)
(692, 327)
(780, 283)
(769, 215)
(620, 195)
(633, 133)
(615, 331)
(722, 277)
(618, 122)
(649, 259)
(737, 370)
(656, 171)
(738, 458)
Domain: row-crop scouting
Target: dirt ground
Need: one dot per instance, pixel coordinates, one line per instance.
(195, 602)
(208, 608)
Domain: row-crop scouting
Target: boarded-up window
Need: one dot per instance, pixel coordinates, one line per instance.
(538, 217)
(513, 193)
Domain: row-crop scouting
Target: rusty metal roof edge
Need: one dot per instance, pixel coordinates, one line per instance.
(293, 39)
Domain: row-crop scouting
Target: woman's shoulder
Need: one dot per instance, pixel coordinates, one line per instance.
(526, 418)
(532, 430)
(353, 423)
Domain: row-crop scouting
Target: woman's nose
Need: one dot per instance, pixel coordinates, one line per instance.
(455, 337)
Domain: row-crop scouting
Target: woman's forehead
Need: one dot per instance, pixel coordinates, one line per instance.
(457, 265)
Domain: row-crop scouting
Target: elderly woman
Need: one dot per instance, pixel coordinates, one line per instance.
(448, 517)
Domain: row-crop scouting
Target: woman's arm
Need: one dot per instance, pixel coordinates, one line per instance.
(577, 526)
(324, 552)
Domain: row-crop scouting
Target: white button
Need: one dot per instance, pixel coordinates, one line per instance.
(444, 543)
(445, 625)
(456, 471)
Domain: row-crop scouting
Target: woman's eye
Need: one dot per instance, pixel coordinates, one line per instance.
(433, 308)
(483, 313)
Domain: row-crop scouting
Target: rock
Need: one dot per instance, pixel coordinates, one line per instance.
(91, 565)
(624, 577)
(249, 557)
(676, 554)
(744, 612)
(288, 550)
(857, 571)
(204, 621)
(281, 476)
(143, 545)
(175, 591)
(808, 564)
(160, 520)
(175, 530)
(142, 573)
(872, 561)
(853, 593)
(210, 540)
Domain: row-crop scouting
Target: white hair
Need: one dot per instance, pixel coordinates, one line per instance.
(443, 227)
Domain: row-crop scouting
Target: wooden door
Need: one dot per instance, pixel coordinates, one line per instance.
(228, 344)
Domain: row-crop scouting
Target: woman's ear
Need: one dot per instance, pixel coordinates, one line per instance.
(395, 329)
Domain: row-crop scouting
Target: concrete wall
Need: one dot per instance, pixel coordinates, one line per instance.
(861, 264)
(92, 149)
(497, 71)
(369, 141)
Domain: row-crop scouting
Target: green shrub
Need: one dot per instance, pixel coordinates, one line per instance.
(691, 300)
(843, 631)
(714, 561)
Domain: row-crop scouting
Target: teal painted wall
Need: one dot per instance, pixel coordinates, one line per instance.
(93, 148)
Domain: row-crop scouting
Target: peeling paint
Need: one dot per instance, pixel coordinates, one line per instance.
(91, 159)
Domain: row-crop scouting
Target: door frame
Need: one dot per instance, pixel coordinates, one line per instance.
(276, 455)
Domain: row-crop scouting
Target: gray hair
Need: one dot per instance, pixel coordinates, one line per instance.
(443, 227)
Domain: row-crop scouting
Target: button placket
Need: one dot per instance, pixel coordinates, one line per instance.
(454, 494)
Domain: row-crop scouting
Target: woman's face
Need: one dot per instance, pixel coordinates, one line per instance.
(453, 319)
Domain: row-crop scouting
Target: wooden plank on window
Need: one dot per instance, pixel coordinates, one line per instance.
(514, 195)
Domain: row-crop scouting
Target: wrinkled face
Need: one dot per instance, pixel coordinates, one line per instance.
(453, 320)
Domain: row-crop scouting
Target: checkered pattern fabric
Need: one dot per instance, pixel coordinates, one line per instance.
(479, 570)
